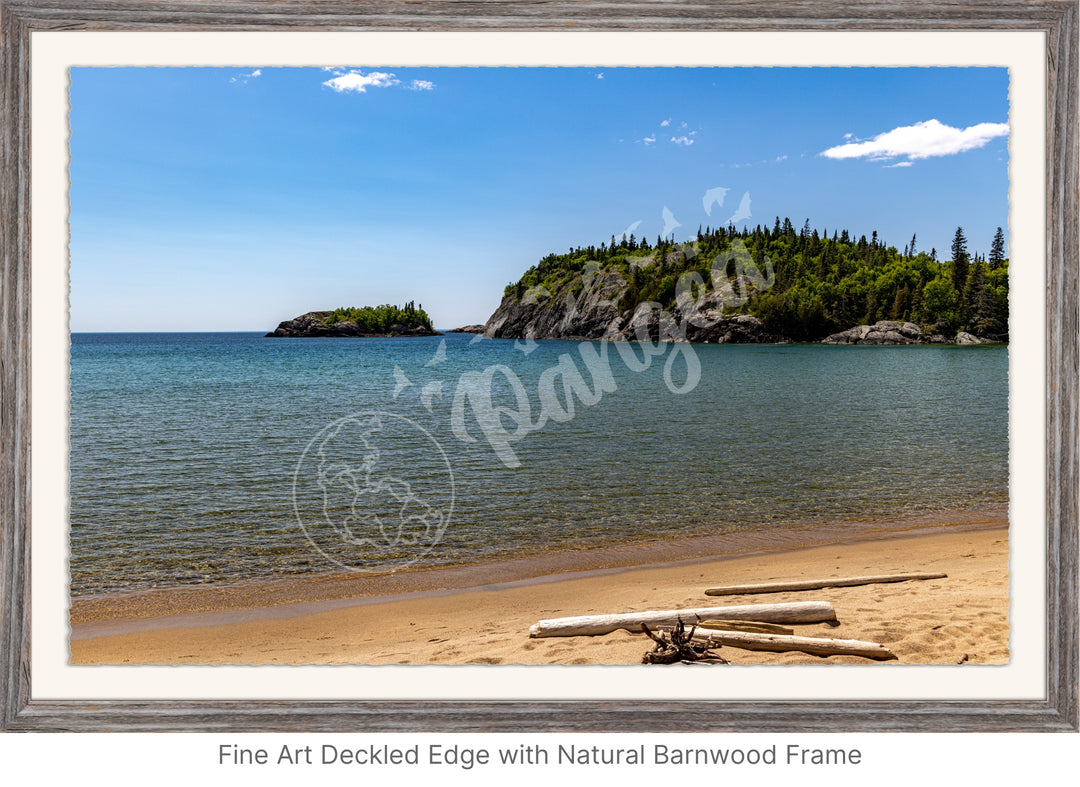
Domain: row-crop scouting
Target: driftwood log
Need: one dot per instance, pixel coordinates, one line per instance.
(592, 625)
(756, 627)
(783, 643)
(815, 584)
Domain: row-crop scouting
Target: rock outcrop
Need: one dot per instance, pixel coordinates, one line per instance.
(313, 324)
(467, 329)
(894, 332)
(884, 332)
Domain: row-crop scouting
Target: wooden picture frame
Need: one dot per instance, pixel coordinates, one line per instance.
(1057, 711)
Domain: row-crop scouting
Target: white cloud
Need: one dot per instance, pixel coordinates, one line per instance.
(923, 140)
(649, 140)
(243, 78)
(685, 141)
(665, 123)
(421, 84)
(358, 82)
(898, 164)
(600, 75)
(781, 158)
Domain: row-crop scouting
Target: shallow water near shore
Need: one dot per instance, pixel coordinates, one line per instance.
(206, 459)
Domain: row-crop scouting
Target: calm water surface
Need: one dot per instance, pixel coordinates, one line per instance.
(200, 458)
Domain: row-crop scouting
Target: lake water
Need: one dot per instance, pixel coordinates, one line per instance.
(202, 458)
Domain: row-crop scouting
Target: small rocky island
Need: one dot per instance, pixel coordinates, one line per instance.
(373, 321)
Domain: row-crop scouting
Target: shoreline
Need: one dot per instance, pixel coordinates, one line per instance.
(336, 586)
(122, 629)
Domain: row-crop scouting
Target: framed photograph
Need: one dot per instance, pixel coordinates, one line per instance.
(426, 367)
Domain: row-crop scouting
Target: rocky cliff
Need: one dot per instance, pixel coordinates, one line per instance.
(596, 312)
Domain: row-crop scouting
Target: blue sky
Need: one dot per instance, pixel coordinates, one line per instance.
(232, 199)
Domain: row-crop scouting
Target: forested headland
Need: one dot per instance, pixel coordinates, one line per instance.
(805, 284)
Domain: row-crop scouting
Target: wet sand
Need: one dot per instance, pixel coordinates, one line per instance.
(482, 615)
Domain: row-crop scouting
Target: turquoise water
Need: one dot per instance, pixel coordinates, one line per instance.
(199, 458)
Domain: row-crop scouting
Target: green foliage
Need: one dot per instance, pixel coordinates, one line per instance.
(939, 303)
(824, 282)
(380, 319)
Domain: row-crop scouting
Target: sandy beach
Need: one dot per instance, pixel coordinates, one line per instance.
(964, 616)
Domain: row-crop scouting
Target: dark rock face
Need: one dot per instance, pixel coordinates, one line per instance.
(467, 329)
(740, 329)
(594, 313)
(311, 324)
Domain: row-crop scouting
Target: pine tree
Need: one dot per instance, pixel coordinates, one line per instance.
(997, 250)
(977, 300)
(959, 260)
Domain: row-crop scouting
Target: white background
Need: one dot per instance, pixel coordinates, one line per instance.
(932, 760)
(180, 759)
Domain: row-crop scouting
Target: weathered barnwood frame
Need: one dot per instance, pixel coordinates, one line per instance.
(1057, 19)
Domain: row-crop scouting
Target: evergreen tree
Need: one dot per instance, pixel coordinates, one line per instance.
(997, 250)
(977, 300)
(959, 268)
